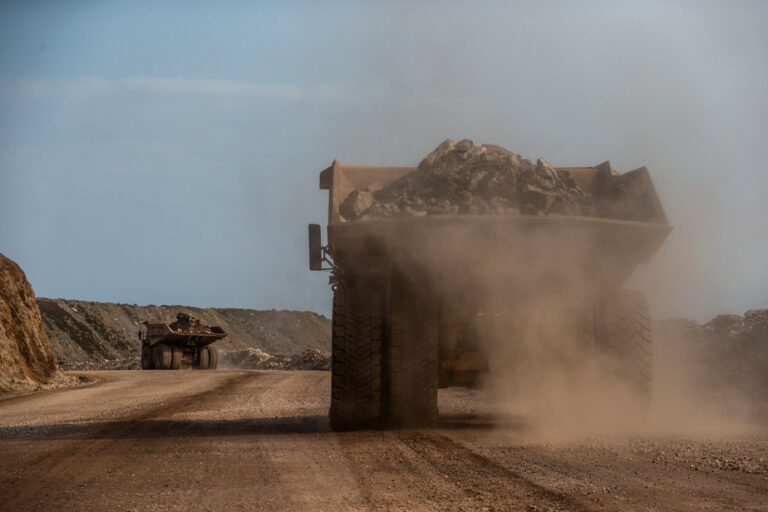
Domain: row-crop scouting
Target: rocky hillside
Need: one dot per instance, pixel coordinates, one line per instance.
(81, 331)
(729, 354)
(26, 360)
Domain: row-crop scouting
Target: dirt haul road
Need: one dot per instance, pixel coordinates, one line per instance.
(252, 440)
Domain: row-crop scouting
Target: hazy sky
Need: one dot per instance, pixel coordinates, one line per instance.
(168, 152)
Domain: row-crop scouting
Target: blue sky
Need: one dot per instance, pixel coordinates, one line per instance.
(168, 152)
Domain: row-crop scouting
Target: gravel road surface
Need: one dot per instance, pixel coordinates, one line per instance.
(260, 440)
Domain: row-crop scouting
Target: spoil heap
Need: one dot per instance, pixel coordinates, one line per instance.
(463, 178)
(731, 353)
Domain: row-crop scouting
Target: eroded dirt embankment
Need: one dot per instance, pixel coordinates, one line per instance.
(26, 360)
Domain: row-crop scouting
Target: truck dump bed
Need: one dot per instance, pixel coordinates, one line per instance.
(161, 332)
(606, 249)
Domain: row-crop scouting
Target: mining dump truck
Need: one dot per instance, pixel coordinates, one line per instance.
(406, 301)
(185, 342)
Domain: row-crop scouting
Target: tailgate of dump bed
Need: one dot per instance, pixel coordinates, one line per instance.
(609, 247)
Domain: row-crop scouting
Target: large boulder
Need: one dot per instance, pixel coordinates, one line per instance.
(26, 360)
(356, 203)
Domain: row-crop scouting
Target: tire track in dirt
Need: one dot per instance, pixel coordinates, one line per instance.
(440, 473)
(297, 438)
(488, 481)
(73, 460)
(377, 461)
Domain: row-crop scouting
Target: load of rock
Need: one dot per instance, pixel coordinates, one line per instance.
(461, 178)
(256, 359)
(188, 323)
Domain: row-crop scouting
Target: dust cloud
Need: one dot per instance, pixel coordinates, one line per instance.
(531, 290)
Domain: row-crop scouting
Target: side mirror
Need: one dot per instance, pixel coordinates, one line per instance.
(315, 248)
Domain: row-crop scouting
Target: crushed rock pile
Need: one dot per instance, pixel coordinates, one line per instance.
(732, 352)
(111, 364)
(463, 178)
(256, 359)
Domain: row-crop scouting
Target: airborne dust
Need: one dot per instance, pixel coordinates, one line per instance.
(546, 372)
(532, 293)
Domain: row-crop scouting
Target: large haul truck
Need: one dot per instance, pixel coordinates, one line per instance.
(170, 346)
(405, 298)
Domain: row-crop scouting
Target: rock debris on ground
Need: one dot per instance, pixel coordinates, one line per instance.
(256, 359)
(249, 359)
(131, 363)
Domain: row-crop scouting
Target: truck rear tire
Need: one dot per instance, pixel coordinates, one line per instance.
(624, 335)
(412, 357)
(213, 357)
(162, 356)
(177, 353)
(203, 361)
(146, 358)
(356, 358)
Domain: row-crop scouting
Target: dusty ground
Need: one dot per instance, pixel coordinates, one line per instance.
(231, 440)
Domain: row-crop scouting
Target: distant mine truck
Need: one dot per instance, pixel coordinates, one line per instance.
(406, 301)
(169, 346)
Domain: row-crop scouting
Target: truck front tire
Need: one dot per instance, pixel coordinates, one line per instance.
(213, 357)
(203, 359)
